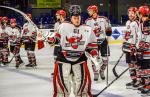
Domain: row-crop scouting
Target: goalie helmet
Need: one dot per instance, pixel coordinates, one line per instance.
(75, 10)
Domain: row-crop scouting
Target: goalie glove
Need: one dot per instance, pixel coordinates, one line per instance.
(95, 59)
(133, 49)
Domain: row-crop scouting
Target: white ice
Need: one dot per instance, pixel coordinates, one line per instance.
(38, 82)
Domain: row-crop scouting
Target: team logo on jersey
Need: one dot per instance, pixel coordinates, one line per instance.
(128, 27)
(74, 41)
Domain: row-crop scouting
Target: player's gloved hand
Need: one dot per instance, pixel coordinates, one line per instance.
(108, 31)
(132, 48)
(144, 45)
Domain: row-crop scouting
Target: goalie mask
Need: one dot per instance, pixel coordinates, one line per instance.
(75, 10)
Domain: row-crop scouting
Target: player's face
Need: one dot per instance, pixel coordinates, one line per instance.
(90, 12)
(13, 24)
(57, 16)
(132, 15)
(30, 16)
(76, 20)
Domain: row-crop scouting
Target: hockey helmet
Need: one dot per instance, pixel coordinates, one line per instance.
(144, 10)
(4, 19)
(13, 20)
(75, 10)
(93, 7)
(61, 12)
(134, 9)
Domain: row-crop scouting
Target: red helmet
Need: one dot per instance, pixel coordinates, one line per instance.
(61, 12)
(134, 9)
(144, 10)
(13, 20)
(4, 19)
(93, 7)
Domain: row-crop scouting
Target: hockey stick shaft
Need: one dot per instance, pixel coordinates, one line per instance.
(11, 59)
(107, 62)
(114, 68)
(96, 95)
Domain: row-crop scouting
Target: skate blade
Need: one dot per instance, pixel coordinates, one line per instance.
(145, 95)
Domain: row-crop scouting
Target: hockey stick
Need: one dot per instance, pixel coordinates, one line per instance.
(107, 63)
(114, 68)
(11, 59)
(96, 95)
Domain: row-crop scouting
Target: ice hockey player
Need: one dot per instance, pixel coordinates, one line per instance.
(130, 44)
(144, 49)
(102, 29)
(71, 62)
(4, 50)
(61, 17)
(29, 34)
(14, 33)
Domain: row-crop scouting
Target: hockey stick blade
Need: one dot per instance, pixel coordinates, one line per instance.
(114, 68)
(96, 95)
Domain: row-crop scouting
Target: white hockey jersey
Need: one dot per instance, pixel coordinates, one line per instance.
(131, 35)
(146, 37)
(56, 25)
(75, 39)
(14, 34)
(101, 24)
(29, 30)
(3, 33)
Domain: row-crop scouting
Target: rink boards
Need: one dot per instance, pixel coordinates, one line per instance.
(116, 37)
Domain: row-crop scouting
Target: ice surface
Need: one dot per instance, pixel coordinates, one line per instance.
(38, 82)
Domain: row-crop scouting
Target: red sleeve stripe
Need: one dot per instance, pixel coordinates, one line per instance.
(146, 52)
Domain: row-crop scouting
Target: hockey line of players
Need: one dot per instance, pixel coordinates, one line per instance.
(73, 39)
(136, 46)
(11, 33)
